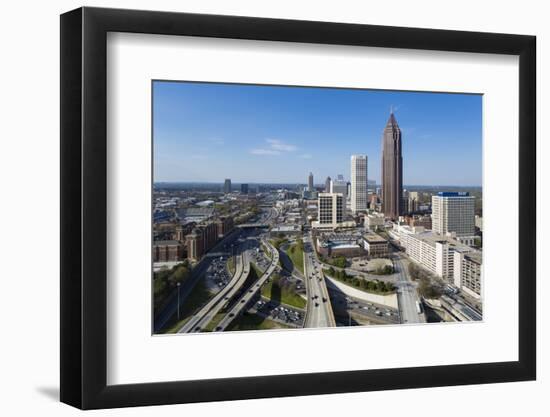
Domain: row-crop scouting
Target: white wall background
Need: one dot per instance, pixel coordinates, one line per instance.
(29, 168)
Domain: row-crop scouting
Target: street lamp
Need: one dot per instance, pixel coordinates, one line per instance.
(179, 285)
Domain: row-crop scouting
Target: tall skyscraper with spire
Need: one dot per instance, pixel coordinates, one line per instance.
(392, 170)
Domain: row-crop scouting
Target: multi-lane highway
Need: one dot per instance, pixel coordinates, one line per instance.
(243, 302)
(406, 295)
(202, 318)
(166, 314)
(319, 310)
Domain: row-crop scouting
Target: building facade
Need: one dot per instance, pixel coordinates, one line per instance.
(244, 188)
(424, 221)
(167, 251)
(224, 225)
(339, 186)
(328, 181)
(330, 208)
(310, 182)
(413, 202)
(227, 186)
(392, 170)
(376, 246)
(467, 272)
(374, 221)
(359, 183)
(454, 213)
(339, 244)
(201, 240)
(434, 252)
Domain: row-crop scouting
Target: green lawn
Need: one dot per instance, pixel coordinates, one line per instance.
(255, 322)
(198, 297)
(296, 255)
(266, 251)
(175, 326)
(214, 322)
(373, 287)
(280, 293)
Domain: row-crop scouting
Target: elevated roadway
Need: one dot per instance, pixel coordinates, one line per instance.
(242, 303)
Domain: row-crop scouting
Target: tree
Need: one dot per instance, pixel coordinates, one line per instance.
(180, 275)
(339, 262)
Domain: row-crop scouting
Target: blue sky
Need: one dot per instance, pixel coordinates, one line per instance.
(207, 132)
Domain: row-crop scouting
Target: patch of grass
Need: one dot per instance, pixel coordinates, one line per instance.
(254, 322)
(198, 297)
(266, 251)
(175, 326)
(278, 242)
(296, 255)
(277, 291)
(231, 265)
(373, 287)
(214, 322)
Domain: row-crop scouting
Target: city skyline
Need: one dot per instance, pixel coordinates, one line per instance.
(252, 157)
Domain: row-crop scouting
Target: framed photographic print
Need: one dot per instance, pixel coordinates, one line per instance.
(258, 207)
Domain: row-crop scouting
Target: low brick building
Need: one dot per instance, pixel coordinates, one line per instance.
(167, 251)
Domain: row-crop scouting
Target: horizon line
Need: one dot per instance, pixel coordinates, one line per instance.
(301, 183)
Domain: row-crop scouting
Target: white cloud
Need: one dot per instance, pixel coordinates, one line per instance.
(306, 156)
(264, 152)
(276, 147)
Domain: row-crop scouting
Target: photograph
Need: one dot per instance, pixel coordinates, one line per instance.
(297, 207)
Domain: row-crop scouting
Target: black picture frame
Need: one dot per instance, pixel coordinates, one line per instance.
(84, 207)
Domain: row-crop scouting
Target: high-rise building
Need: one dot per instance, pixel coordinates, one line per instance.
(227, 186)
(358, 183)
(330, 209)
(339, 186)
(413, 202)
(328, 181)
(454, 213)
(371, 186)
(392, 170)
(310, 182)
(433, 251)
(244, 188)
(468, 272)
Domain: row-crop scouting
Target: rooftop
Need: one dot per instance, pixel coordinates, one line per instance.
(373, 238)
(453, 194)
(165, 243)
